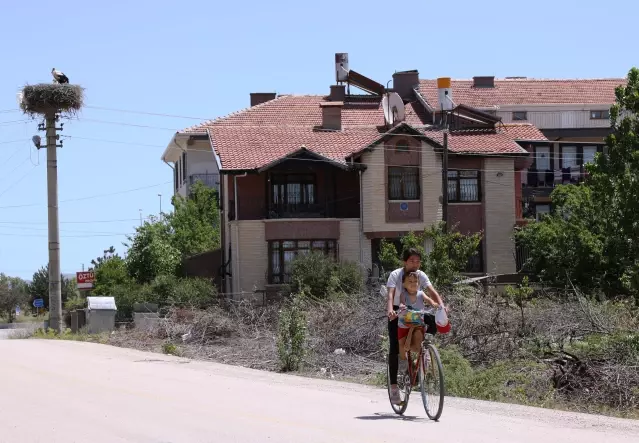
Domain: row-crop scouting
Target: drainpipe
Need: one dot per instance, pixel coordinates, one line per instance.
(237, 232)
(361, 219)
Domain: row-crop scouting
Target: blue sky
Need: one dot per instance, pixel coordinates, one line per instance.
(202, 59)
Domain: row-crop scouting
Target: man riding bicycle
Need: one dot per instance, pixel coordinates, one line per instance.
(412, 261)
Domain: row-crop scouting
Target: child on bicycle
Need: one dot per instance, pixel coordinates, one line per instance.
(412, 262)
(413, 299)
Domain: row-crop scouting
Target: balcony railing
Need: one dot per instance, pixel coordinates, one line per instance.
(552, 177)
(208, 179)
(298, 210)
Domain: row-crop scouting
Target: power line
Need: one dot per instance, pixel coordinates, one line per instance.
(125, 124)
(14, 141)
(112, 141)
(67, 236)
(6, 111)
(71, 222)
(145, 113)
(19, 180)
(91, 196)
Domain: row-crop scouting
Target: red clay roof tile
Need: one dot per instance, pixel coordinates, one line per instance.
(527, 91)
(257, 136)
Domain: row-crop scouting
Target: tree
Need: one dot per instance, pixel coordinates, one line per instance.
(448, 258)
(591, 238)
(13, 293)
(152, 252)
(195, 221)
(110, 271)
(39, 287)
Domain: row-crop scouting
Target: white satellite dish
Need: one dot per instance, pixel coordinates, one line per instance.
(393, 106)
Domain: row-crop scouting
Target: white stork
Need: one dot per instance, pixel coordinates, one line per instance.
(59, 77)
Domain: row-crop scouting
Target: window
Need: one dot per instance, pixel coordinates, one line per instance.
(541, 211)
(542, 158)
(520, 116)
(589, 154)
(291, 191)
(569, 156)
(183, 167)
(599, 115)
(402, 146)
(403, 183)
(176, 182)
(282, 253)
(463, 186)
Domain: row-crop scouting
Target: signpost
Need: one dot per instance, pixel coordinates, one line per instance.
(85, 279)
(38, 303)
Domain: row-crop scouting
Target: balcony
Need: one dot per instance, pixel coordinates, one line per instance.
(540, 184)
(208, 179)
(299, 210)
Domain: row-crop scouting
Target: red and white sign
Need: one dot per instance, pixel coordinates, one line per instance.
(85, 279)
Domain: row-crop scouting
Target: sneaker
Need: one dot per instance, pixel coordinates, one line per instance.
(394, 397)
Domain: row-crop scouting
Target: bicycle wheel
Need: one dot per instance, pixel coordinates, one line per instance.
(431, 380)
(404, 391)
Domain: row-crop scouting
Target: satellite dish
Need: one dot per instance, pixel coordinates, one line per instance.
(393, 106)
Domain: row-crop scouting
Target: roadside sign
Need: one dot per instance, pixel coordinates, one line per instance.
(38, 303)
(85, 280)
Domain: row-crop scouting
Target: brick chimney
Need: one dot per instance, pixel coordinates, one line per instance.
(338, 93)
(332, 115)
(404, 82)
(484, 81)
(261, 97)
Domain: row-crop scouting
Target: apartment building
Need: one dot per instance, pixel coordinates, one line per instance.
(573, 114)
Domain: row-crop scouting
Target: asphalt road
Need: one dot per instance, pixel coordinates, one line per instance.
(62, 391)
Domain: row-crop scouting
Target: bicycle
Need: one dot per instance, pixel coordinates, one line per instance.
(427, 366)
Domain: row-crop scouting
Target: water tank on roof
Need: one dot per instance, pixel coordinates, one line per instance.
(445, 93)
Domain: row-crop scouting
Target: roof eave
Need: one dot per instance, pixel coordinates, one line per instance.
(173, 150)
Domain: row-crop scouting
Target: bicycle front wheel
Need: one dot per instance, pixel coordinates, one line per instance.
(404, 390)
(431, 380)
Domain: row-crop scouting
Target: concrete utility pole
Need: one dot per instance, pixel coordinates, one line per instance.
(55, 289)
(445, 173)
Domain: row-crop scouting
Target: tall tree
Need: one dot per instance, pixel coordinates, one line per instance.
(39, 287)
(152, 252)
(13, 293)
(195, 221)
(110, 271)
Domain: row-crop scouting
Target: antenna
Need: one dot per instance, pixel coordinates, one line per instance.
(393, 106)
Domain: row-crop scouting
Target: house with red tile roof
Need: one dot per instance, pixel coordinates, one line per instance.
(332, 173)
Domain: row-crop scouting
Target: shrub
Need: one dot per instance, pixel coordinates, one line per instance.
(291, 334)
(76, 302)
(168, 290)
(320, 276)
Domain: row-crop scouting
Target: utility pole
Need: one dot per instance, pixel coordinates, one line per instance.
(140, 217)
(445, 173)
(55, 290)
(160, 195)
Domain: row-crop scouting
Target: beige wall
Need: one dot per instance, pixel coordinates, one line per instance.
(557, 116)
(349, 243)
(252, 255)
(499, 195)
(374, 191)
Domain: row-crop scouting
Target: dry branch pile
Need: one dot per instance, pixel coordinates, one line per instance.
(45, 98)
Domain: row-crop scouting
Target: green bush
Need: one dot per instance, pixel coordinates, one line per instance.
(291, 334)
(76, 302)
(320, 276)
(168, 290)
(519, 381)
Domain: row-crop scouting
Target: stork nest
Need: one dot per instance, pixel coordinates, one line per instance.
(45, 98)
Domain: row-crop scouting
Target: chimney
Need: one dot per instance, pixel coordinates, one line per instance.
(261, 97)
(484, 81)
(332, 115)
(338, 93)
(404, 82)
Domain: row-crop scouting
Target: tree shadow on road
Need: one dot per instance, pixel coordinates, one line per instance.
(390, 416)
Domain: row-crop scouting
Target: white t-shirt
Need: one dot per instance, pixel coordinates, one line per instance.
(395, 281)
